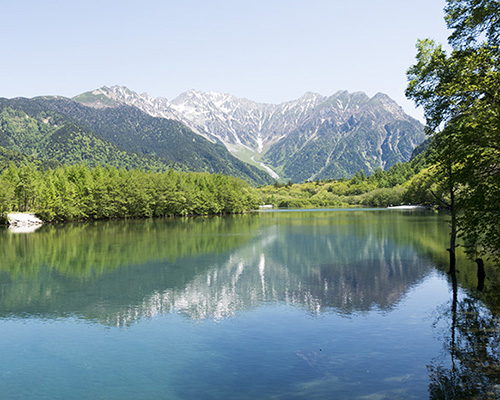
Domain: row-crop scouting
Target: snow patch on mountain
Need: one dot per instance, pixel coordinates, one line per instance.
(242, 124)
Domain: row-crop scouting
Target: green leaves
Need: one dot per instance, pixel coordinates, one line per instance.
(472, 21)
(76, 192)
(382, 189)
(460, 94)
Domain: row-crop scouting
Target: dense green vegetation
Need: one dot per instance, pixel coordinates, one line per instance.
(383, 188)
(68, 132)
(49, 137)
(78, 192)
(8, 157)
(460, 94)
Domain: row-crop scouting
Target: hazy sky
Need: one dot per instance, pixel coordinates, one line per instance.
(264, 50)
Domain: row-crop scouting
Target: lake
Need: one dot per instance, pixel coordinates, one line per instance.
(323, 304)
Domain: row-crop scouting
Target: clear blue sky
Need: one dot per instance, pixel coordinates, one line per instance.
(264, 50)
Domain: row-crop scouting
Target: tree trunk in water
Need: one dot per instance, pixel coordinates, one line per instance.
(481, 274)
(453, 234)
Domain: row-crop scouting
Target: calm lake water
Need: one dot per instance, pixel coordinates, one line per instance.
(270, 305)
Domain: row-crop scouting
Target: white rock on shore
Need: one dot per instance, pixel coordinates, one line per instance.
(23, 222)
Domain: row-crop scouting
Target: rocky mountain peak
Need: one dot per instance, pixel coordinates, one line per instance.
(276, 134)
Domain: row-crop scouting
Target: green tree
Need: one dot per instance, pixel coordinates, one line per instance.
(460, 95)
(6, 198)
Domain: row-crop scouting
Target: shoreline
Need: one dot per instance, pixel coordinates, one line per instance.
(19, 222)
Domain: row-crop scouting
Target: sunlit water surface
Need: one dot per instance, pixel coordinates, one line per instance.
(297, 305)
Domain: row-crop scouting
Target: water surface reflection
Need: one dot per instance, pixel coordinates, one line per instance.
(119, 272)
(296, 305)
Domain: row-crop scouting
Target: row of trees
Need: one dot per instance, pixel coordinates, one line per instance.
(77, 192)
(460, 95)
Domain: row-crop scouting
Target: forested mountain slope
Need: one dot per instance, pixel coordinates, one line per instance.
(61, 129)
(11, 157)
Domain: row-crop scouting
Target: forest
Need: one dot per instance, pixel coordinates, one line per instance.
(80, 193)
(459, 91)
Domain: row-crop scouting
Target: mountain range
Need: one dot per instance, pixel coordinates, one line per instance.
(313, 137)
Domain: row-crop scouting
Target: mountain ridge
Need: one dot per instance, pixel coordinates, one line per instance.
(312, 137)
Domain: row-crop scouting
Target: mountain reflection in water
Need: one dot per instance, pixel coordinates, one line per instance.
(116, 273)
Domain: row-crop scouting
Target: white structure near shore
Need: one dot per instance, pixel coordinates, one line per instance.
(23, 222)
(407, 207)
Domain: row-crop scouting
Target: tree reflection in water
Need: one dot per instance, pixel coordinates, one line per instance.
(473, 344)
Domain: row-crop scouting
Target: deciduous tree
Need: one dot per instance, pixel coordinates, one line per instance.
(460, 95)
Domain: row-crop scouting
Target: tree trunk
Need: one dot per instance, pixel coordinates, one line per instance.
(453, 234)
(481, 274)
